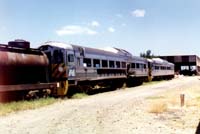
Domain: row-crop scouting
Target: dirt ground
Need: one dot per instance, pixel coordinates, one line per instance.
(125, 111)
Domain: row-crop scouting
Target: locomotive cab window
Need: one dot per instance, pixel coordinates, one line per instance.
(58, 56)
(70, 58)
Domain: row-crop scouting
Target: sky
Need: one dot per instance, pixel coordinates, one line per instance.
(166, 27)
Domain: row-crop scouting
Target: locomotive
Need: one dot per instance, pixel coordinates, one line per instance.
(90, 68)
(57, 66)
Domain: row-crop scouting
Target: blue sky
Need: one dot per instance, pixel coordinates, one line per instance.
(164, 26)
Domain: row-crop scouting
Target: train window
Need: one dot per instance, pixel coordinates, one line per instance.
(123, 64)
(141, 66)
(137, 65)
(58, 56)
(104, 63)
(132, 65)
(87, 62)
(81, 51)
(118, 64)
(156, 67)
(111, 64)
(96, 63)
(70, 58)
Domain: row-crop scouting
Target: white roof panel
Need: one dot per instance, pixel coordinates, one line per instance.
(110, 49)
(59, 44)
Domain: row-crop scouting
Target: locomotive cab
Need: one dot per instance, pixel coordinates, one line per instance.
(62, 65)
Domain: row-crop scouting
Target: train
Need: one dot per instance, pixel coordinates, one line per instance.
(55, 67)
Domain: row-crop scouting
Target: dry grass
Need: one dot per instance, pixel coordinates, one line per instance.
(158, 107)
(194, 102)
(6, 108)
(171, 100)
(79, 96)
(152, 82)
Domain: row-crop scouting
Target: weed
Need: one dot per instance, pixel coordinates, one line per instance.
(79, 95)
(158, 108)
(11, 107)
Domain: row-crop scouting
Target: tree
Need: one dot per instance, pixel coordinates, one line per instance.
(147, 54)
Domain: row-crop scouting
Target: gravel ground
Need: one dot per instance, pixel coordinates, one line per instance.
(122, 111)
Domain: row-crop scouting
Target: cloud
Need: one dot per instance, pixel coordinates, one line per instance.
(75, 30)
(95, 23)
(138, 13)
(111, 29)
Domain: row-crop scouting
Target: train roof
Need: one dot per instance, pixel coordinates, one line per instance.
(137, 58)
(160, 61)
(108, 51)
(58, 44)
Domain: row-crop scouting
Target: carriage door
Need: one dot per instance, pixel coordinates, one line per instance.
(58, 65)
(71, 64)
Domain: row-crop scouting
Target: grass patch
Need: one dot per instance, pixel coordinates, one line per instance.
(158, 108)
(195, 102)
(79, 95)
(6, 108)
(152, 82)
(198, 98)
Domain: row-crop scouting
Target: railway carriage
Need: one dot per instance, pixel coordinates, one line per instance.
(161, 69)
(138, 71)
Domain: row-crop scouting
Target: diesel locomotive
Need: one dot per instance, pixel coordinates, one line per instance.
(90, 68)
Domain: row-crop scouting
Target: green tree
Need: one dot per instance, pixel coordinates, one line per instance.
(147, 54)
